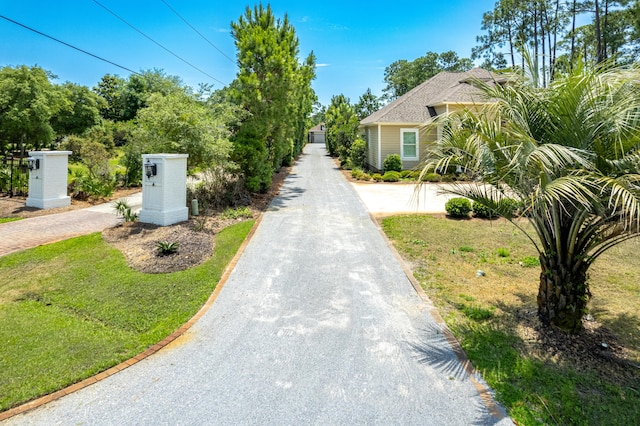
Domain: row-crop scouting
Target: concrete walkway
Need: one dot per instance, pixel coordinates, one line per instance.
(317, 324)
(383, 199)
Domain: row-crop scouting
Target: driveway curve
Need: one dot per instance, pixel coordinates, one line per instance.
(317, 324)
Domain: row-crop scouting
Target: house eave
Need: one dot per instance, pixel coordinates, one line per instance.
(399, 123)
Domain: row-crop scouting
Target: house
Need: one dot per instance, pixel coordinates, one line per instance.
(317, 134)
(398, 128)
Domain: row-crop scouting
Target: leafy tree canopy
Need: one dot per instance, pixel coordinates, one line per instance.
(402, 75)
(178, 123)
(28, 101)
(341, 127)
(124, 98)
(80, 112)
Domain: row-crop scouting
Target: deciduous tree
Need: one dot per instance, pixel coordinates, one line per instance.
(80, 112)
(402, 75)
(341, 127)
(28, 101)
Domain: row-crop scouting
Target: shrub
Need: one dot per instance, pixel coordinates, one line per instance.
(448, 177)
(405, 174)
(458, 207)
(393, 163)
(365, 176)
(345, 163)
(358, 153)
(413, 175)
(356, 173)
(84, 186)
(237, 213)
(377, 177)
(431, 177)
(391, 177)
(221, 186)
(509, 205)
(481, 210)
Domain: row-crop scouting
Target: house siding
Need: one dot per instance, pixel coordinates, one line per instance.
(371, 136)
(391, 143)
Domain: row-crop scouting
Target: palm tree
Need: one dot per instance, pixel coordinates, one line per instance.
(570, 153)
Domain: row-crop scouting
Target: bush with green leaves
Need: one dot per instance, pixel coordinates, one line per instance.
(356, 173)
(219, 186)
(481, 210)
(237, 213)
(365, 176)
(83, 186)
(393, 163)
(510, 206)
(358, 153)
(458, 207)
(391, 177)
(431, 177)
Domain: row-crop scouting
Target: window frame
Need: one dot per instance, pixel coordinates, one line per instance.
(416, 132)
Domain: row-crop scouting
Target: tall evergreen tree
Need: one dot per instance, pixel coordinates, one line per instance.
(275, 90)
(367, 104)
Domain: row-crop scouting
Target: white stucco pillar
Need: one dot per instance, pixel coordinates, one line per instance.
(48, 179)
(164, 189)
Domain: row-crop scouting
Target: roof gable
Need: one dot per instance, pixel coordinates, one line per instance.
(443, 88)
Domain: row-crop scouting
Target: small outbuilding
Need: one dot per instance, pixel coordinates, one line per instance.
(317, 134)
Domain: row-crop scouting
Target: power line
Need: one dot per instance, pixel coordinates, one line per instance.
(156, 43)
(198, 32)
(67, 44)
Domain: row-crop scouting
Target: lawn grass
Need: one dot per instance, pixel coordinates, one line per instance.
(9, 219)
(485, 312)
(72, 309)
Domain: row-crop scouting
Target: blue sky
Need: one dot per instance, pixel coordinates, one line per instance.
(353, 41)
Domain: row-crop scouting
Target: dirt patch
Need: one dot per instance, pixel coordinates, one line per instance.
(594, 348)
(195, 237)
(138, 243)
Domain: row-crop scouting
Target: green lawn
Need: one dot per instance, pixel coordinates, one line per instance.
(72, 309)
(492, 317)
(9, 219)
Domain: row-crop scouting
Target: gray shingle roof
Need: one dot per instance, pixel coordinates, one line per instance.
(445, 87)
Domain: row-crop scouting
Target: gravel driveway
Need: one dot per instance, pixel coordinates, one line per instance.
(317, 324)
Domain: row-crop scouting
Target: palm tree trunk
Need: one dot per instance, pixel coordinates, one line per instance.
(563, 294)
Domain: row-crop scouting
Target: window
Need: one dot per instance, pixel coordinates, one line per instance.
(409, 140)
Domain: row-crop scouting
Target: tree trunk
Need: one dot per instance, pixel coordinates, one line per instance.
(599, 55)
(573, 36)
(509, 32)
(563, 294)
(544, 50)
